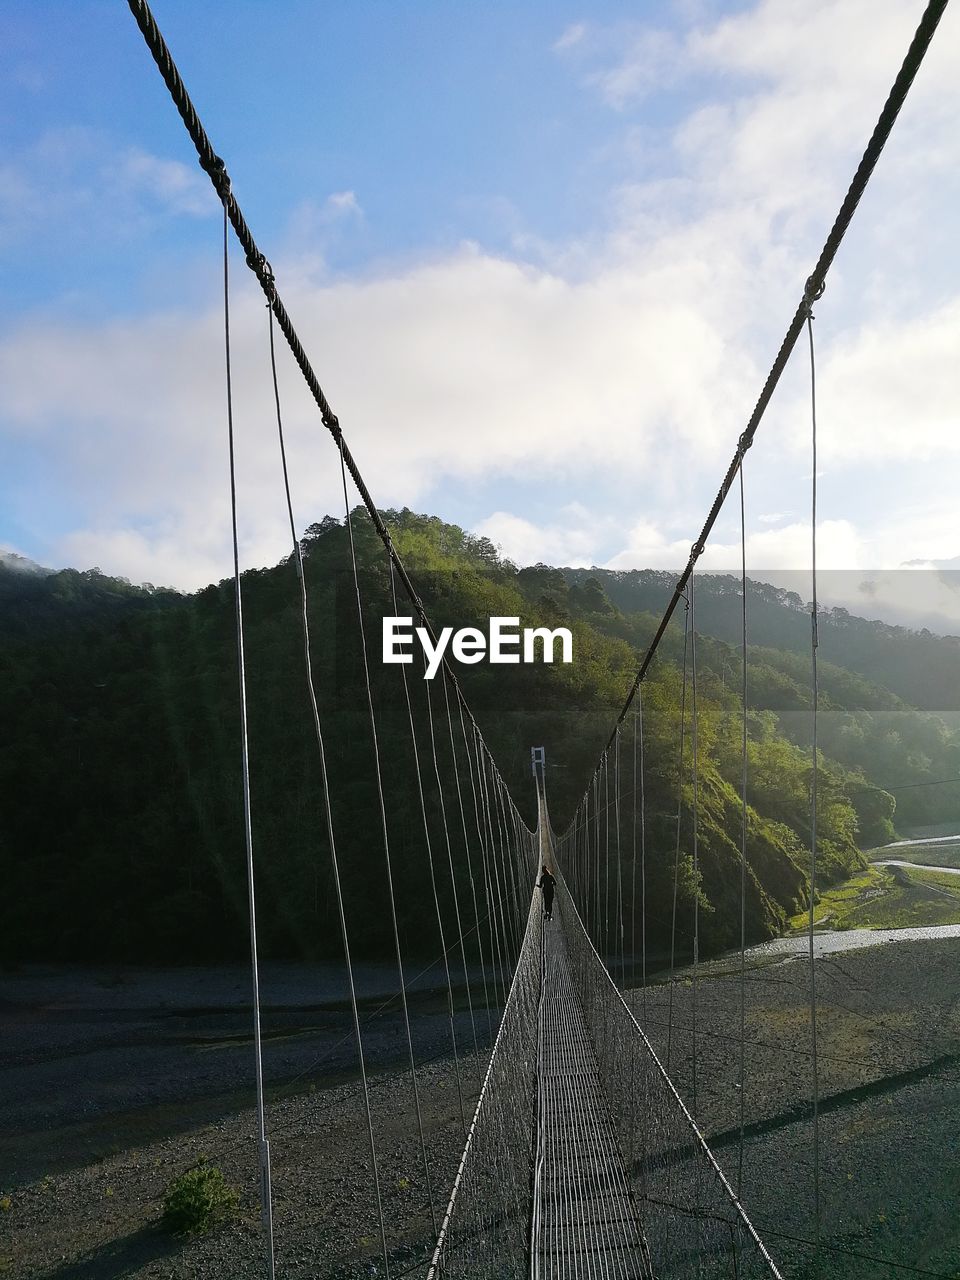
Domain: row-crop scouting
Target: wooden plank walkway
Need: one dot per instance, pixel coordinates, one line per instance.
(584, 1221)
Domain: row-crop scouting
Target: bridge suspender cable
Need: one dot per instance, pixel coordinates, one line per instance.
(676, 858)
(743, 829)
(266, 1195)
(318, 733)
(814, 1069)
(473, 887)
(638, 741)
(453, 877)
(428, 844)
(621, 903)
(606, 854)
(596, 844)
(257, 262)
(386, 840)
(813, 289)
(694, 752)
(498, 966)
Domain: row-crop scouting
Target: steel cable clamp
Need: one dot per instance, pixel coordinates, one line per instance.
(812, 294)
(217, 171)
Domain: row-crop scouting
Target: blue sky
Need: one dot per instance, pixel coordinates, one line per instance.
(541, 254)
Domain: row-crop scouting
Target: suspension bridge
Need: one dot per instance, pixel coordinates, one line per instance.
(580, 1158)
(621, 1183)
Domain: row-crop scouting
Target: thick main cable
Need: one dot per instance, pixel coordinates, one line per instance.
(258, 264)
(215, 169)
(813, 288)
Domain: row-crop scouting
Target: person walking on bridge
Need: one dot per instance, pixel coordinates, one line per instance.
(547, 884)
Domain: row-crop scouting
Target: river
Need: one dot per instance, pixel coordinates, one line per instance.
(830, 941)
(915, 866)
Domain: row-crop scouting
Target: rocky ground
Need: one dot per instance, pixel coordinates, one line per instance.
(106, 1094)
(888, 1050)
(113, 1083)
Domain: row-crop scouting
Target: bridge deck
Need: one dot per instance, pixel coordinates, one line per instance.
(585, 1223)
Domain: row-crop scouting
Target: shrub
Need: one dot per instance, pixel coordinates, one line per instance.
(198, 1200)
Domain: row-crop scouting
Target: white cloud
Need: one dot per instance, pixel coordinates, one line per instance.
(311, 220)
(148, 557)
(470, 366)
(839, 546)
(572, 542)
(625, 61)
(313, 228)
(571, 36)
(891, 390)
(626, 361)
(77, 184)
(655, 59)
(856, 572)
(787, 109)
(167, 183)
(344, 202)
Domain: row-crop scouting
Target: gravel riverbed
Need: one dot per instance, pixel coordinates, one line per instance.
(111, 1084)
(888, 1060)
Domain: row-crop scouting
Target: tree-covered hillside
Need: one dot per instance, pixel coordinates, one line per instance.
(120, 828)
(877, 681)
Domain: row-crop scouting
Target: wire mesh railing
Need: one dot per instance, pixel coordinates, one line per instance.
(486, 1229)
(693, 1224)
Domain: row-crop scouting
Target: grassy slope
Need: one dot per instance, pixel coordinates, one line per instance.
(887, 898)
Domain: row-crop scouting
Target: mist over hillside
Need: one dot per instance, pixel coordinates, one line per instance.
(921, 666)
(21, 564)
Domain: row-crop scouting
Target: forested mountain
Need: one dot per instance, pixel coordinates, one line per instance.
(120, 823)
(876, 680)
